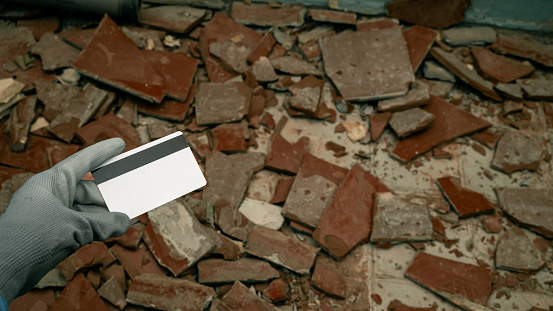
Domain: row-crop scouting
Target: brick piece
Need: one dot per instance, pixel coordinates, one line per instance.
(174, 18)
(117, 272)
(218, 271)
(176, 246)
(284, 156)
(108, 126)
(137, 262)
(451, 279)
(79, 295)
(262, 213)
(328, 279)
(337, 17)
(111, 291)
(524, 47)
(20, 122)
(281, 249)
(417, 96)
(294, 66)
(54, 52)
(263, 47)
(264, 15)
(117, 65)
(499, 68)
(155, 291)
(391, 223)
(218, 102)
(346, 221)
(407, 122)
(361, 76)
(517, 253)
(239, 297)
(429, 13)
(419, 41)
(517, 151)
(378, 122)
(465, 202)
(376, 23)
(529, 208)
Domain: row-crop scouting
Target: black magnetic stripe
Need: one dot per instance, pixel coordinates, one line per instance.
(139, 159)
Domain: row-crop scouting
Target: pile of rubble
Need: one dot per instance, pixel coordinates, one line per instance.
(287, 109)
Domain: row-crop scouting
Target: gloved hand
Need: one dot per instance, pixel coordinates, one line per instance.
(53, 214)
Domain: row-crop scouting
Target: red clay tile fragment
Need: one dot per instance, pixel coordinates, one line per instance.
(515, 252)
(229, 249)
(55, 97)
(15, 41)
(232, 56)
(20, 121)
(419, 41)
(111, 291)
(276, 291)
(77, 37)
(377, 299)
(222, 102)
(122, 65)
(376, 23)
(166, 293)
(174, 18)
(85, 257)
(34, 158)
(337, 17)
(137, 262)
(465, 202)
(239, 297)
(281, 249)
(510, 106)
(429, 13)
(263, 70)
(41, 25)
(34, 300)
(229, 137)
(257, 107)
(131, 239)
(346, 221)
(199, 142)
(169, 109)
(487, 138)
(283, 188)
(492, 225)
(54, 52)
(306, 94)
(263, 47)
(517, 151)
(378, 122)
(284, 156)
(218, 271)
(451, 122)
(499, 68)
(525, 48)
(79, 295)
(108, 126)
(264, 15)
(328, 279)
(339, 150)
(451, 279)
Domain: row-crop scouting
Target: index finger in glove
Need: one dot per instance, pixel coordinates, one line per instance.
(89, 158)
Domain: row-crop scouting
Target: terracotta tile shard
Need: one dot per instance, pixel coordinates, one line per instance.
(77, 37)
(263, 47)
(79, 295)
(337, 149)
(229, 249)
(34, 300)
(333, 16)
(87, 256)
(464, 73)
(160, 292)
(451, 122)
(131, 238)
(487, 138)
(276, 291)
(174, 18)
(229, 137)
(517, 253)
(407, 122)
(346, 222)
(281, 249)
(294, 66)
(199, 142)
(328, 278)
(306, 94)
(492, 224)
(419, 41)
(417, 96)
(359, 75)
(284, 156)
(525, 48)
(474, 35)
(34, 158)
(390, 223)
(376, 23)
(264, 15)
(54, 52)
(122, 65)
(177, 69)
(137, 262)
(517, 151)
(40, 26)
(429, 13)
(499, 68)
(218, 271)
(438, 153)
(540, 89)
(169, 109)
(239, 297)
(112, 292)
(451, 278)
(108, 126)
(282, 190)
(262, 213)
(530, 208)
(175, 246)
(378, 123)
(465, 202)
(20, 122)
(222, 102)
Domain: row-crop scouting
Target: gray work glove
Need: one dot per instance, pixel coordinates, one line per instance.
(53, 214)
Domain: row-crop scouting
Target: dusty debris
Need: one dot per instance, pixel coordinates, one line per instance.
(517, 151)
(517, 253)
(20, 122)
(355, 130)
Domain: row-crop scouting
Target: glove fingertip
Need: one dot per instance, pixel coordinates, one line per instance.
(122, 223)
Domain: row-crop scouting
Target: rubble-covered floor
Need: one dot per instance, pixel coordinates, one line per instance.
(353, 162)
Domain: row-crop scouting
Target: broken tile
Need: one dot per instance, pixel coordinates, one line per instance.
(222, 102)
(540, 89)
(229, 137)
(199, 142)
(525, 48)
(390, 223)
(79, 295)
(284, 156)
(15, 41)
(129, 112)
(451, 122)
(131, 239)
(263, 47)
(337, 17)
(174, 18)
(239, 297)
(262, 213)
(263, 71)
(112, 292)
(54, 278)
(160, 292)
(306, 94)
(417, 96)
(176, 246)
(108, 126)
(281, 249)
(294, 66)
(517, 253)
(122, 65)
(432, 14)
(264, 15)
(55, 97)
(276, 291)
(137, 262)
(475, 35)
(378, 122)
(407, 122)
(233, 57)
(346, 221)
(451, 279)
(492, 224)
(464, 73)
(229, 249)
(328, 279)
(510, 106)
(359, 75)
(517, 151)
(465, 202)
(34, 158)
(77, 37)
(511, 91)
(282, 190)
(54, 52)
(218, 271)
(419, 41)
(145, 39)
(169, 109)
(337, 149)
(434, 71)
(313, 35)
(499, 68)
(376, 23)
(87, 256)
(20, 122)
(529, 208)
(177, 69)
(41, 25)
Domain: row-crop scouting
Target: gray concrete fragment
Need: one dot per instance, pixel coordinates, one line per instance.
(477, 35)
(407, 122)
(417, 96)
(517, 253)
(263, 71)
(294, 66)
(432, 70)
